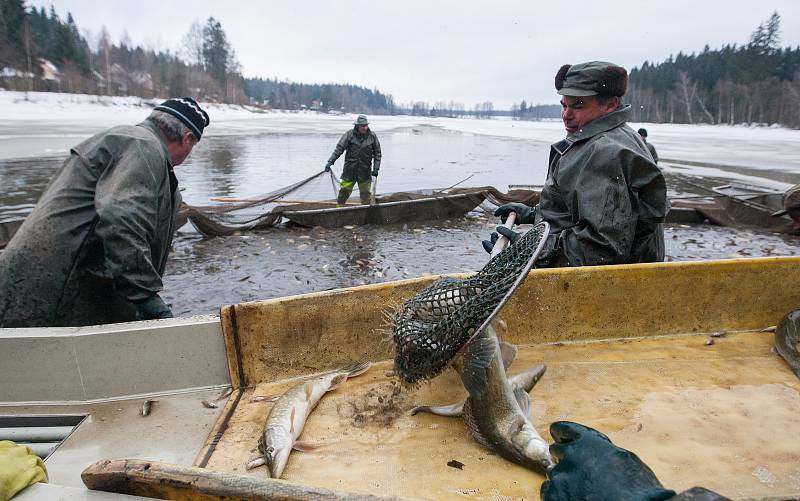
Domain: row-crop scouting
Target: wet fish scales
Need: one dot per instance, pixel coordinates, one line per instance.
(525, 380)
(288, 415)
(495, 413)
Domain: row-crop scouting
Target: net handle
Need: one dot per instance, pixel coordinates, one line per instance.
(503, 241)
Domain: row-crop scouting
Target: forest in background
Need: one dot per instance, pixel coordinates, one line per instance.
(39, 51)
(754, 83)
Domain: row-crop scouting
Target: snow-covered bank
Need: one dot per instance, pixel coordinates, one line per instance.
(36, 124)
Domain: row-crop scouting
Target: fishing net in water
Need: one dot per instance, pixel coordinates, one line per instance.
(431, 328)
(264, 211)
(258, 212)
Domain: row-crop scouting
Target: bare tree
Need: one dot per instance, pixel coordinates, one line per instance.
(191, 47)
(687, 90)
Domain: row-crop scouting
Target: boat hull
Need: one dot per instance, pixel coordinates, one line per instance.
(423, 209)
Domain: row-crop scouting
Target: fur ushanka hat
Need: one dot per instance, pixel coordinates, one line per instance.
(595, 78)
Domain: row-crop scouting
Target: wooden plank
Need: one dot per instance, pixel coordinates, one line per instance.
(168, 481)
(227, 317)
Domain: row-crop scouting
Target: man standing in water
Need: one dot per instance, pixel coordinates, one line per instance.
(94, 248)
(643, 134)
(363, 158)
(604, 197)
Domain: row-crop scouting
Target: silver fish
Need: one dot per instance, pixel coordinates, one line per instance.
(495, 413)
(147, 406)
(289, 414)
(524, 380)
(508, 352)
(787, 337)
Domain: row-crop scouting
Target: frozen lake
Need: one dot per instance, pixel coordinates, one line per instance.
(245, 154)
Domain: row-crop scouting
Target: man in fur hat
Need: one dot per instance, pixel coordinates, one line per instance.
(94, 248)
(604, 197)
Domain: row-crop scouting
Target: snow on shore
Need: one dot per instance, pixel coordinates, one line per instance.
(40, 123)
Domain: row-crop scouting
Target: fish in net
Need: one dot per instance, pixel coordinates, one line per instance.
(434, 326)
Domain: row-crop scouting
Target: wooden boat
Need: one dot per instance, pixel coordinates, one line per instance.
(752, 206)
(627, 348)
(418, 209)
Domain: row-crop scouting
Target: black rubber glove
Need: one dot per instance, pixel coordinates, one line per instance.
(152, 308)
(511, 235)
(374, 173)
(327, 167)
(525, 213)
(590, 467)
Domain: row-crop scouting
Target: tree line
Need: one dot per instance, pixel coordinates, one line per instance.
(286, 95)
(39, 51)
(755, 83)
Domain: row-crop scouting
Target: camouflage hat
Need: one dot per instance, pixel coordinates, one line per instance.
(791, 200)
(361, 120)
(595, 78)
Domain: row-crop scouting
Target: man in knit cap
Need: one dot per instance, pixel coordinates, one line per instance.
(94, 248)
(604, 196)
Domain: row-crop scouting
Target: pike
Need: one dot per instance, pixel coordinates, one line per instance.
(525, 380)
(787, 341)
(495, 413)
(288, 416)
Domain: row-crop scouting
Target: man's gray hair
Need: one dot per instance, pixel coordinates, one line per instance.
(172, 128)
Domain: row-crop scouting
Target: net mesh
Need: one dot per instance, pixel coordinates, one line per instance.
(432, 327)
(263, 211)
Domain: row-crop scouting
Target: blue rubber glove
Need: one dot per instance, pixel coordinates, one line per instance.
(152, 308)
(327, 167)
(374, 173)
(525, 213)
(591, 467)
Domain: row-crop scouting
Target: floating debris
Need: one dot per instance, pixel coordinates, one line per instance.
(455, 464)
(147, 407)
(225, 394)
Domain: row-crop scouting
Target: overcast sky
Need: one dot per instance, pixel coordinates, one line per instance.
(430, 50)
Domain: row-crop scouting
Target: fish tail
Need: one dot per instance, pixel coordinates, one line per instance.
(356, 368)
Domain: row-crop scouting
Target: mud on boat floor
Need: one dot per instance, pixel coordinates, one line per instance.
(693, 412)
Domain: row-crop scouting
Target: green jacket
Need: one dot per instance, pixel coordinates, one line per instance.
(604, 198)
(363, 152)
(99, 236)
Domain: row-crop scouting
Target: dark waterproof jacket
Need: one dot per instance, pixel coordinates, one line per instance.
(652, 150)
(99, 236)
(604, 197)
(361, 151)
